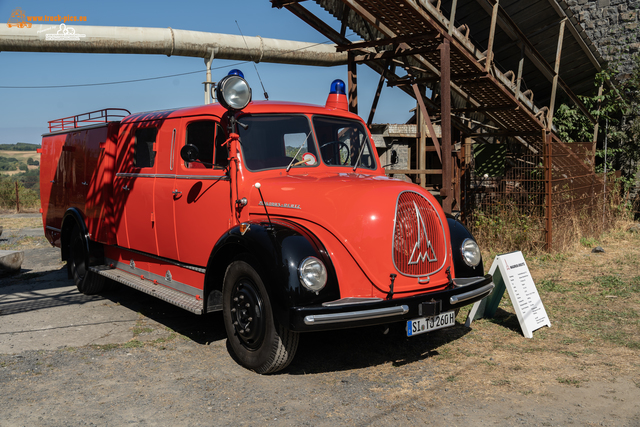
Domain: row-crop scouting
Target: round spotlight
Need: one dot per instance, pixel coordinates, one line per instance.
(233, 92)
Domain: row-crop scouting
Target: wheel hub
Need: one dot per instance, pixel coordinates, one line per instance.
(247, 314)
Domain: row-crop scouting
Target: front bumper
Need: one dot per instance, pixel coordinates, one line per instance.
(356, 312)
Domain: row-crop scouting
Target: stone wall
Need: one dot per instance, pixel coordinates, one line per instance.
(613, 26)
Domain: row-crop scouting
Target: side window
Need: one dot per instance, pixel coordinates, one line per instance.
(222, 152)
(144, 156)
(202, 135)
(208, 136)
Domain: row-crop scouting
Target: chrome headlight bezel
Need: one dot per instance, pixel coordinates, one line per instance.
(233, 92)
(470, 252)
(312, 274)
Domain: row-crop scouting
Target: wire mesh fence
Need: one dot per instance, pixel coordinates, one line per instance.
(546, 196)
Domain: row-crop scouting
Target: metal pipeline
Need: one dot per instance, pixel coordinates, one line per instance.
(166, 41)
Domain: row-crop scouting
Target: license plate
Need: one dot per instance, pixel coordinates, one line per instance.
(428, 324)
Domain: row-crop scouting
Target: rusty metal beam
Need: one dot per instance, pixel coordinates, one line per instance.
(353, 84)
(548, 190)
(501, 133)
(374, 56)
(317, 24)
(445, 126)
(427, 119)
(460, 49)
(282, 3)
(385, 41)
(333, 35)
(511, 29)
(376, 98)
(435, 79)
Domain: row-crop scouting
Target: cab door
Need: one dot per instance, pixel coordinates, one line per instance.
(165, 190)
(202, 200)
(134, 188)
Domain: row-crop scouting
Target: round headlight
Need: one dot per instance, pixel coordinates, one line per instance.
(313, 274)
(471, 253)
(233, 92)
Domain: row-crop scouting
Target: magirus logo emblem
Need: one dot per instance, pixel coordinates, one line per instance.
(417, 255)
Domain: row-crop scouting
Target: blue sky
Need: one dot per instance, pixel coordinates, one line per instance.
(25, 112)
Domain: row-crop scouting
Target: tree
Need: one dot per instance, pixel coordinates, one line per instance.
(618, 113)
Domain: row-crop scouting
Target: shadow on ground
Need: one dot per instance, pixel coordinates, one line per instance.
(318, 351)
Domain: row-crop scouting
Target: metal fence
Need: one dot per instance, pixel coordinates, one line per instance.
(538, 197)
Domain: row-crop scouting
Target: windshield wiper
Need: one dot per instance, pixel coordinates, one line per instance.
(359, 156)
(298, 152)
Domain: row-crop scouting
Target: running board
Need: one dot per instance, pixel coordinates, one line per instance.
(180, 299)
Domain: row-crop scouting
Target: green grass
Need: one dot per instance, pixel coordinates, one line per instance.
(137, 330)
(569, 381)
(588, 242)
(133, 344)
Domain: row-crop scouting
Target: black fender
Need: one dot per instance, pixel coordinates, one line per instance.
(275, 251)
(74, 216)
(459, 233)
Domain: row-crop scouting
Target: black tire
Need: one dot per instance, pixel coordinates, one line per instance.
(86, 281)
(254, 337)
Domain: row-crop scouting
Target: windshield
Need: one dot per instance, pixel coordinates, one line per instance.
(343, 142)
(277, 141)
(283, 141)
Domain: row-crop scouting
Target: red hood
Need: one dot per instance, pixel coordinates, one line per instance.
(360, 211)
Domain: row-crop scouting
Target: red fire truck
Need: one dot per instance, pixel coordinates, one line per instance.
(278, 214)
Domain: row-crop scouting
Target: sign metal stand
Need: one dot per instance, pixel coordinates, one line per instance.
(510, 272)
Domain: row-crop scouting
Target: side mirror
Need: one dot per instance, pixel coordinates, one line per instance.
(189, 153)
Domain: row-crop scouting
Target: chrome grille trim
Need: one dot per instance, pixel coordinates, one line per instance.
(416, 216)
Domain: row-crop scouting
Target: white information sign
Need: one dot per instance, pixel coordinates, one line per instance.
(511, 271)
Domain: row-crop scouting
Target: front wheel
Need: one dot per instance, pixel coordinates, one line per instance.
(254, 337)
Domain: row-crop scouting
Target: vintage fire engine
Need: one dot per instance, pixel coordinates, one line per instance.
(278, 214)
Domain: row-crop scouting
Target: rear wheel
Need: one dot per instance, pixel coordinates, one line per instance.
(254, 337)
(88, 283)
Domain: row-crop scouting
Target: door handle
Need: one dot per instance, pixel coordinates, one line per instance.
(176, 192)
(125, 188)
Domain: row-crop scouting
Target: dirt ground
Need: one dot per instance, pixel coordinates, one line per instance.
(125, 358)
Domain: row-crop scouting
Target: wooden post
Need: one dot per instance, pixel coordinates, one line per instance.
(445, 124)
(17, 198)
(353, 84)
(492, 33)
(554, 85)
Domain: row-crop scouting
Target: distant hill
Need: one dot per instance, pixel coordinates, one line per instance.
(20, 146)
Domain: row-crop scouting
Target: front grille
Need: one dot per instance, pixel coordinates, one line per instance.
(419, 247)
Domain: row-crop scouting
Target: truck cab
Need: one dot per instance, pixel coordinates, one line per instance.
(278, 214)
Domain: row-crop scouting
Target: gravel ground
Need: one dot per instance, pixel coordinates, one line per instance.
(145, 362)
